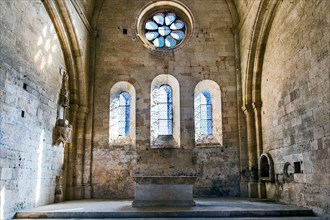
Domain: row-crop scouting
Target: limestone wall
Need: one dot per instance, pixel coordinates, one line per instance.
(30, 81)
(295, 92)
(209, 54)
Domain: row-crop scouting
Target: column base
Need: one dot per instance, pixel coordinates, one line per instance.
(244, 189)
(253, 189)
(262, 190)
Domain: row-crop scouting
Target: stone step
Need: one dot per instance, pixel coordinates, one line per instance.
(174, 214)
(205, 208)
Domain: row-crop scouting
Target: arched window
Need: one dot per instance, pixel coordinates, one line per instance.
(207, 113)
(164, 25)
(164, 108)
(122, 114)
(165, 112)
(203, 114)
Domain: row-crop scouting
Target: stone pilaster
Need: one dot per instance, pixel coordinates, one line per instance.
(79, 160)
(71, 158)
(256, 106)
(252, 155)
(257, 119)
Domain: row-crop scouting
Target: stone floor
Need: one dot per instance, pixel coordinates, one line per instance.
(220, 208)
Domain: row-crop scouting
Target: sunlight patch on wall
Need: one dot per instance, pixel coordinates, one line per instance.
(39, 172)
(46, 47)
(2, 203)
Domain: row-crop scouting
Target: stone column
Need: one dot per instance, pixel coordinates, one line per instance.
(69, 195)
(252, 154)
(257, 116)
(79, 156)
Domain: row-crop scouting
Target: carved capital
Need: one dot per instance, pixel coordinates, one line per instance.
(82, 113)
(256, 106)
(83, 110)
(62, 132)
(74, 107)
(247, 109)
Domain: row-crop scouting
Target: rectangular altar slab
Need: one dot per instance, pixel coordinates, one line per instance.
(164, 191)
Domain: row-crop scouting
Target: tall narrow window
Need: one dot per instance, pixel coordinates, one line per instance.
(164, 107)
(165, 112)
(208, 114)
(123, 114)
(203, 114)
(120, 115)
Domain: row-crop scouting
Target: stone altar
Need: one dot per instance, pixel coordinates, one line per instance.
(155, 191)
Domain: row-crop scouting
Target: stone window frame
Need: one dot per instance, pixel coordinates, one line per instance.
(269, 177)
(115, 91)
(174, 6)
(216, 138)
(167, 141)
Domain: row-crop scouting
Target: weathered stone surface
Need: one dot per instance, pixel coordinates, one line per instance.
(209, 54)
(173, 191)
(30, 82)
(271, 61)
(296, 92)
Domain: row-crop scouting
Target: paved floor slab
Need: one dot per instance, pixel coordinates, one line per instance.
(210, 208)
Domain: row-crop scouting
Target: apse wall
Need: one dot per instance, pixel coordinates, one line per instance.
(121, 56)
(30, 81)
(295, 95)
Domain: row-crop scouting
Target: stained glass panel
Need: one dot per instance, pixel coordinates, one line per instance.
(164, 100)
(123, 112)
(203, 114)
(164, 30)
(151, 25)
(159, 18)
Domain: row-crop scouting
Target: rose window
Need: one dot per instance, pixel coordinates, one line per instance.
(164, 30)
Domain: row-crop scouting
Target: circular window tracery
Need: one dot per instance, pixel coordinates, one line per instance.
(164, 30)
(164, 25)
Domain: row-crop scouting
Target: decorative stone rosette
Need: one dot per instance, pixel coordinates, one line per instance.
(164, 30)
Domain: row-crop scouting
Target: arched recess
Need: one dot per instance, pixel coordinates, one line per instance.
(116, 89)
(251, 88)
(78, 90)
(266, 167)
(166, 79)
(214, 89)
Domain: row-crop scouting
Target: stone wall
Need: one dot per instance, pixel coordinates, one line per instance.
(30, 81)
(296, 93)
(209, 54)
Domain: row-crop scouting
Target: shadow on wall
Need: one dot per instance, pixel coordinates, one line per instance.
(221, 187)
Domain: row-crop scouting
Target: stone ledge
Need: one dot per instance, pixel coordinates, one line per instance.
(165, 179)
(163, 203)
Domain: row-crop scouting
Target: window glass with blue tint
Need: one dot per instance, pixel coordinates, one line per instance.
(165, 113)
(164, 30)
(203, 114)
(123, 114)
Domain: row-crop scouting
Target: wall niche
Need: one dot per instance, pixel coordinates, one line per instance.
(266, 168)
